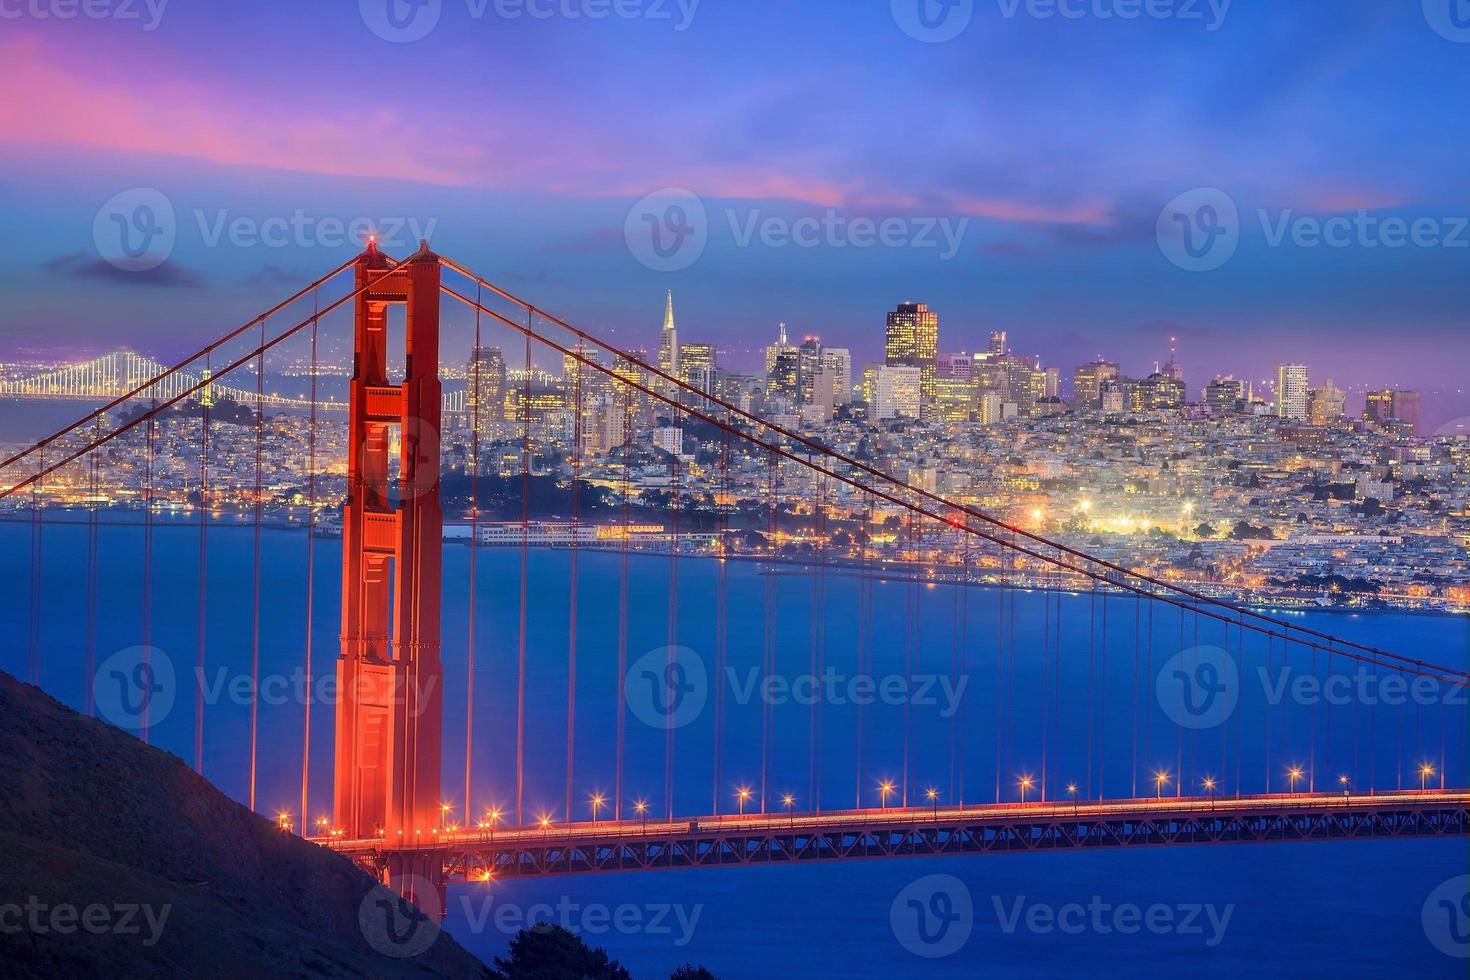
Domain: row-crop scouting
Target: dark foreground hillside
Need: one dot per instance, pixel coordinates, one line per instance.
(116, 860)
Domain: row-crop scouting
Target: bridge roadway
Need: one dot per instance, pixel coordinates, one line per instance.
(483, 854)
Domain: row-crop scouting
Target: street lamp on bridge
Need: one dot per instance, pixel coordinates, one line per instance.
(1026, 783)
(597, 801)
(884, 789)
(1161, 779)
(788, 801)
(641, 808)
(1295, 774)
(743, 795)
(1072, 791)
(1347, 792)
(1209, 783)
(932, 795)
(1425, 771)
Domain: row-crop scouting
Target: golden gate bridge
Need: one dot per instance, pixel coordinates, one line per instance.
(1221, 781)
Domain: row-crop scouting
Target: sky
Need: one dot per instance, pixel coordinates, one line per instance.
(1268, 182)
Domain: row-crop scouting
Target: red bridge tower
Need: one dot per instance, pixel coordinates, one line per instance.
(390, 709)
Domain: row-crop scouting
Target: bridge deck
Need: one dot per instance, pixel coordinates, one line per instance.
(481, 855)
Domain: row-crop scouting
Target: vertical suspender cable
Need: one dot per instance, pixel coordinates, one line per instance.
(572, 589)
(525, 407)
(469, 687)
(202, 630)
(310, 575)
(255, 615)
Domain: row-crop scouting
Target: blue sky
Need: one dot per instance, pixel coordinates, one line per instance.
(1054, 143)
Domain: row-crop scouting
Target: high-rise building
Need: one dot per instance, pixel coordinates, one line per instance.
(954, 399)
(1379, 408)
(698, 365)
(1325, 405)
(997, 346)
(912, 340)
(777, 349)
(961, 366)
(991, 408)
(839, 359)
(783, 380)
(1405, 407)
(1291, 392)
(1088, 381)
(1160, 392)
(668, 341)
(1173, 370)
(808, 364)
(485, 391)
(1224, 396)
(897, 392)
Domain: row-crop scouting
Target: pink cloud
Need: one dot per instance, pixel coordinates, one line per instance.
(53, 97)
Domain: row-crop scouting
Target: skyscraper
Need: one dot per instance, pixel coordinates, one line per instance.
(774, 351)
(912, 340)
(1325, 404)
(485, 391)
(809, 363)
(1225, 395)
(896, 393)
(1291, 391)
(1406, 408)
(668, 341)
(839, 359)
(1088, 381)
(1380, 407)
(698, 366)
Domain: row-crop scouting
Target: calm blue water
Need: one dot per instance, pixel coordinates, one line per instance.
(1311, 910)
